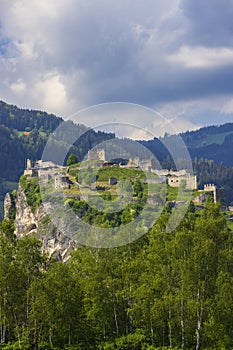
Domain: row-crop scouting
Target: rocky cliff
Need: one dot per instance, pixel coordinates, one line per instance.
(28, 221)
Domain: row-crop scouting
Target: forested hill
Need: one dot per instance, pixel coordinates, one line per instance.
(211, 142)
(25, 120)
(24, 133)
(208, 135)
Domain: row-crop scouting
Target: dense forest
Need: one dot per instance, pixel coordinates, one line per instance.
(164, 291)
(220, 153)
(24, 119)
(210, 142)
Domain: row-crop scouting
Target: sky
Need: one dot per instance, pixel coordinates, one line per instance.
(172, 56)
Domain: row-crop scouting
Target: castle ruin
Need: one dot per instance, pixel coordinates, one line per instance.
(211, 188)
(97, 154)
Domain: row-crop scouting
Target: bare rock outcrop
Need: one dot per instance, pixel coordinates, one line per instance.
(9, 206)
(28, 221)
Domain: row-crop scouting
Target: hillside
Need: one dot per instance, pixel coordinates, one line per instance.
(24, 133)
(211, 142)
(98, 196)
(208, 135)
(125, 297)
(143, 295)
(211, 149)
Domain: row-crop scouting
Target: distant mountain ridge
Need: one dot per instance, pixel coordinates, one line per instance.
(208, 134)
(20, 119)
(212, 142)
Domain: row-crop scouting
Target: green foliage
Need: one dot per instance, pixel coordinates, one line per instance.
(99, 218)
(21, 261)
(164, 291)
(172, 193)
(137, 187)
(136, 341)
(57, 307)
(107, 196)
(72, 159)
(31, 189)
(86, 176)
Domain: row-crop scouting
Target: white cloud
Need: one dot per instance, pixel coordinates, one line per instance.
(27, 50)
(227, 107)
(65, 55)
(18, 87)
(174, 124)
(202, 57)
(52, 94)
(101, 42)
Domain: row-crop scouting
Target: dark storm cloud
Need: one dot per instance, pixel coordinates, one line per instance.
(73, 54)
(209, 23)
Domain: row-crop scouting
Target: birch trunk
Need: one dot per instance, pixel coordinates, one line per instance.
(170, 327)
(182, 324)
(199, 322)
(115, 317)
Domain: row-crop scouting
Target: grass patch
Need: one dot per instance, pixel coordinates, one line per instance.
(119, 173)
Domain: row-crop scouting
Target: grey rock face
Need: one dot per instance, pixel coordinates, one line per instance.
(55, 243)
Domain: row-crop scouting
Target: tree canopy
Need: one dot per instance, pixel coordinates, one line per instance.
(164, 291)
